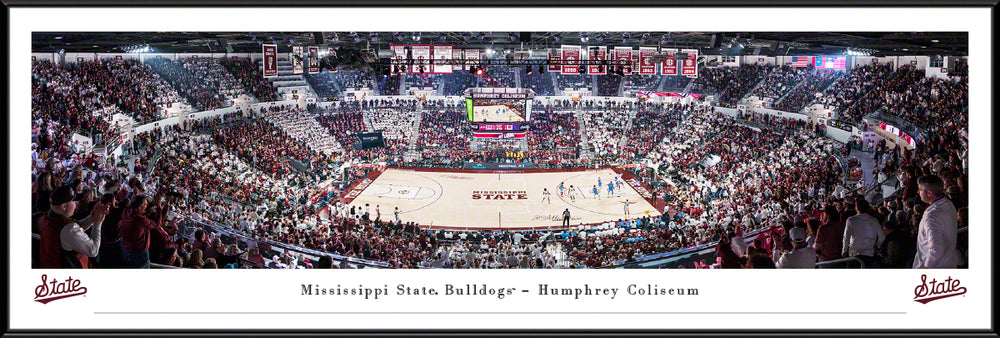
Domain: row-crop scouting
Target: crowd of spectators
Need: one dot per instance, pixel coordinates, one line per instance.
(303, 127)
(572, 82)
(389, 85)
(355, 79)
(608, 85)
(323, 84)
(249, 75)
(423, 81)
(198, 92)
(604, 131)
(444, 136)
(63, 104)
(848, 90)
(270, 149)
(397, 127)
(457, 82)
(641, 82)
(541, 83)
(772, 174)
(730, 83)
(676, 83)
(553, 138)
(212, 73)
(139, 90)
(815, 81)
(780, 81)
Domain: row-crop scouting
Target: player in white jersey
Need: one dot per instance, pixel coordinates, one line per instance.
(572, 193)
(546, 195)
(626, 207)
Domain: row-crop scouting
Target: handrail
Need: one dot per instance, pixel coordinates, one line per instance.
(839, 261)
(152, 265)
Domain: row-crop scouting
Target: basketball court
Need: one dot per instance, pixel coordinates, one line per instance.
(490, 200)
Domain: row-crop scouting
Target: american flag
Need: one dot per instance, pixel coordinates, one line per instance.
(800, 61)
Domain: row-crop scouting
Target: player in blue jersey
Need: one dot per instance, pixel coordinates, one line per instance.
(597, 193)
(611, 190)
(599, 182)
(561, 188)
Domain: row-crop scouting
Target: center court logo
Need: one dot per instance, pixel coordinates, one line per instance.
(926, 293)
(500, 195)
(54, 290)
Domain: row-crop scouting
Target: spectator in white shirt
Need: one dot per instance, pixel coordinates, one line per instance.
(862, 233)
(937, 236)
(802, 256)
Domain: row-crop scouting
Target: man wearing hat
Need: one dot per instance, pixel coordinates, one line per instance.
(66, 243)
(802, 256)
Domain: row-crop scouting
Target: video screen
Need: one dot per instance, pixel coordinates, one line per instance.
(499, 110)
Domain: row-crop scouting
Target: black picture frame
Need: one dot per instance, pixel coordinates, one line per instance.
(8, 4)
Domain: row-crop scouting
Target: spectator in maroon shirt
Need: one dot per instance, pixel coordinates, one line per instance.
(136, 228)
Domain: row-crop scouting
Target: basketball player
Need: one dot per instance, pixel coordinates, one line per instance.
(397, 214)
(561, 188)
(597, 193)
(626, 207)
(572, 194)
(599, 182)
(546, 195)
(611, 190)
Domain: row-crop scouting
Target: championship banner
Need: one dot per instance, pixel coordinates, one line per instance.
(313, 59)
(270, 60)
(669, 66)
(297, 59)
(472, 57)
(597, 54)
(571, 54)
(421, 57)
(443, 53)
(646, 65)
(398, 58)
(456, 54)
(624, 54)
(690, 66)
(554, 57)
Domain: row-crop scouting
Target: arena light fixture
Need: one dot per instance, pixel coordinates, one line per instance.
(416, 37)
(527, 70)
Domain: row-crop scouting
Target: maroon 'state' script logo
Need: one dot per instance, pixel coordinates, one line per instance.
(54, 290)
(925, 293)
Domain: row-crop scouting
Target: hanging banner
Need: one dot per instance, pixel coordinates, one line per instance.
(421, 58)
(669, 66)
(471, 57)
(571, 55)
(313, 59)
(690, 66)
(442, 53)
(398, 59)
(297, 59)
(456, 54)
(624, 54)
(646, 65)
(635, 61)
(554, 56)
(270, 60)
(597, 54)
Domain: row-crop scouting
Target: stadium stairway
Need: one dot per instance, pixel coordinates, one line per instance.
(287, 83)
(628, 126)
(412, 153)
(555, 82)
(593, 84)
(687, 89)
(586, 153)
(663, 83)
(621, 88)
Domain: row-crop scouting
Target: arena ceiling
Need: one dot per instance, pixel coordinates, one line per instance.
(728, 43)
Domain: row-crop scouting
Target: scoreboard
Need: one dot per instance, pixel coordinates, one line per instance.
(499, 112)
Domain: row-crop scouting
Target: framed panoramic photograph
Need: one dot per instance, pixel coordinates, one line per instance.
(444, 170)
